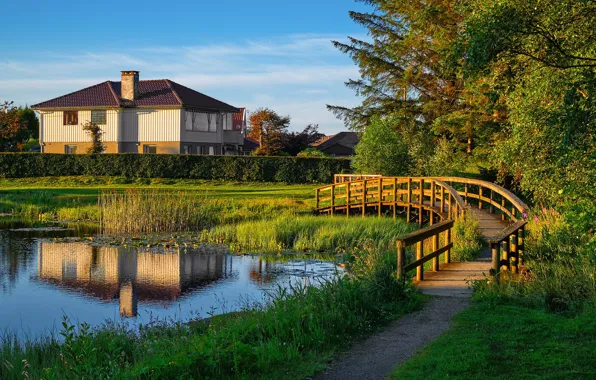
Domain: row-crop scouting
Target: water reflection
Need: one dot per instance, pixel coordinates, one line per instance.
(42, 280)
(127, 275)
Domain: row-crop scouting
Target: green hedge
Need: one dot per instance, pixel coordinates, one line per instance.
(229, 168)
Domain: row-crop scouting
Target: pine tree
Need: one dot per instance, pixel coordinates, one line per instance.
(412, 69)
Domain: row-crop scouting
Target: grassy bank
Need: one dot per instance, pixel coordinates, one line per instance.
(76, 198)
(311, 233)
(537, 325)
(492, 340)
(293, 337)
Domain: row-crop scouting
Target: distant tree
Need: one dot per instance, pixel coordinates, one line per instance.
(381, 150)
(312, 152)
(97, 146)
(10, 125)
(268, 128)
(296, 142)
(29, 123)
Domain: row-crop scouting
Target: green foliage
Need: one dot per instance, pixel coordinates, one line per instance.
(312, 152)
(380, 150)
(97, 145)
(228, 168)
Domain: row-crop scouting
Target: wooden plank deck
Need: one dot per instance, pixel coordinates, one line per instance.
(454, 279)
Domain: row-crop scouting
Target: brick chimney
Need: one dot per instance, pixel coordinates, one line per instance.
(130, 85)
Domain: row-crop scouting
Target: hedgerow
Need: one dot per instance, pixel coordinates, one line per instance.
(228, 168)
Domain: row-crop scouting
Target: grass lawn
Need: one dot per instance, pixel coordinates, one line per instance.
(75, 198)
(510, 342)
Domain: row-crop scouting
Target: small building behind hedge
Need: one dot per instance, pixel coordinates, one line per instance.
(141, 116)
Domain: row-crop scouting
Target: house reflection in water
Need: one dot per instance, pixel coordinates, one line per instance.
(128, 275)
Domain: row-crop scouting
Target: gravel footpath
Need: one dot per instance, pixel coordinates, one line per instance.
(375, 357)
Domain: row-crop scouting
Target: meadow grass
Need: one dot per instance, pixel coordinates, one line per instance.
(500, 341)
(76, 198)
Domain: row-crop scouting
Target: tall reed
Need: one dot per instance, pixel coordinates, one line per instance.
(152, 211)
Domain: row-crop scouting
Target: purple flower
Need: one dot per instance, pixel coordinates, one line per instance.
(525, 215)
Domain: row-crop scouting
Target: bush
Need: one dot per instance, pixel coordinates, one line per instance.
(228, 168)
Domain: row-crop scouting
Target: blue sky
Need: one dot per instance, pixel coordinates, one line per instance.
(256, 53)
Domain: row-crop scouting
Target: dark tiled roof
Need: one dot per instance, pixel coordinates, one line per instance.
(100, 95)
(347, 139)
(150, 93)
(250, 144)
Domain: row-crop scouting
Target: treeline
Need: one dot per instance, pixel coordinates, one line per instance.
(228, 168)
(507, 86)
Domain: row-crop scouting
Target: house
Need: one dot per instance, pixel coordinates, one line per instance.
(140, 116)
(339, 145)
(249, 146)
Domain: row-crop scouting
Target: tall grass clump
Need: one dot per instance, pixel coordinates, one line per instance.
(467, 239)
(290, 337)
(310, 233)
(151, 211)
(560, 269)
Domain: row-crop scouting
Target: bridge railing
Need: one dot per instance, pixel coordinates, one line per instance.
(409, 193)
(487, 195)
(341, 178)
(418, 237)
(507, 249)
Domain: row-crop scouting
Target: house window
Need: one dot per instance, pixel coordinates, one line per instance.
(98, 117)
(150, 149)
(211, 150)
(70, 149)
(71, 117)
(227, 122)
(187, 149)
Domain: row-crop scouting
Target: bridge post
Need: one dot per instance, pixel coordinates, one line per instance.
(380, 196)
(421, 213)
(401, 259)
(480, 197)
(419, 255)
(395, 197)
(332, 200)
(364, 196)
(520, 245)
(442, 199)
(448, 241)
(433, 190)
(502, 207)
(466, 193)
(409, 212)
(514, 253)
(492, 208)
(317, 201)
(435, 248)
(506, 254)
(496, 261)
(348, 195)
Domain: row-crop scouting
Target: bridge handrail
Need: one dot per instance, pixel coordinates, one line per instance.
(349, 192)
(418, 237)
(519, 205)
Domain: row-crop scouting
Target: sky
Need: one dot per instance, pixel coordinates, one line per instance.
(258, 53)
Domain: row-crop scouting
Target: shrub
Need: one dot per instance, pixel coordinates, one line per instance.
(228, 168)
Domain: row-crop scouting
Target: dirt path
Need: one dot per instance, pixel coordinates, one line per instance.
(375, 357)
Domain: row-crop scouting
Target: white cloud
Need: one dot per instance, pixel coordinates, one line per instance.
(296, 75)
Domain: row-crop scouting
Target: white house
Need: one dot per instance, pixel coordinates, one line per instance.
(141, 116)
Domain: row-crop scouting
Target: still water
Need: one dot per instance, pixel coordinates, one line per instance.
(41, 281)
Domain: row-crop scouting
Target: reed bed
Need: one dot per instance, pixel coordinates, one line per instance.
(137, 211)
(310, 233)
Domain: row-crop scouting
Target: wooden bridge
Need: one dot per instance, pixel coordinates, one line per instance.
(436, 202)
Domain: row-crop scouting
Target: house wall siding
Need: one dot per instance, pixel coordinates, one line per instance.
(54, 129)
(151, 125)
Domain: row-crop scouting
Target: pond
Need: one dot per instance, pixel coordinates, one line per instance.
(42, 280)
